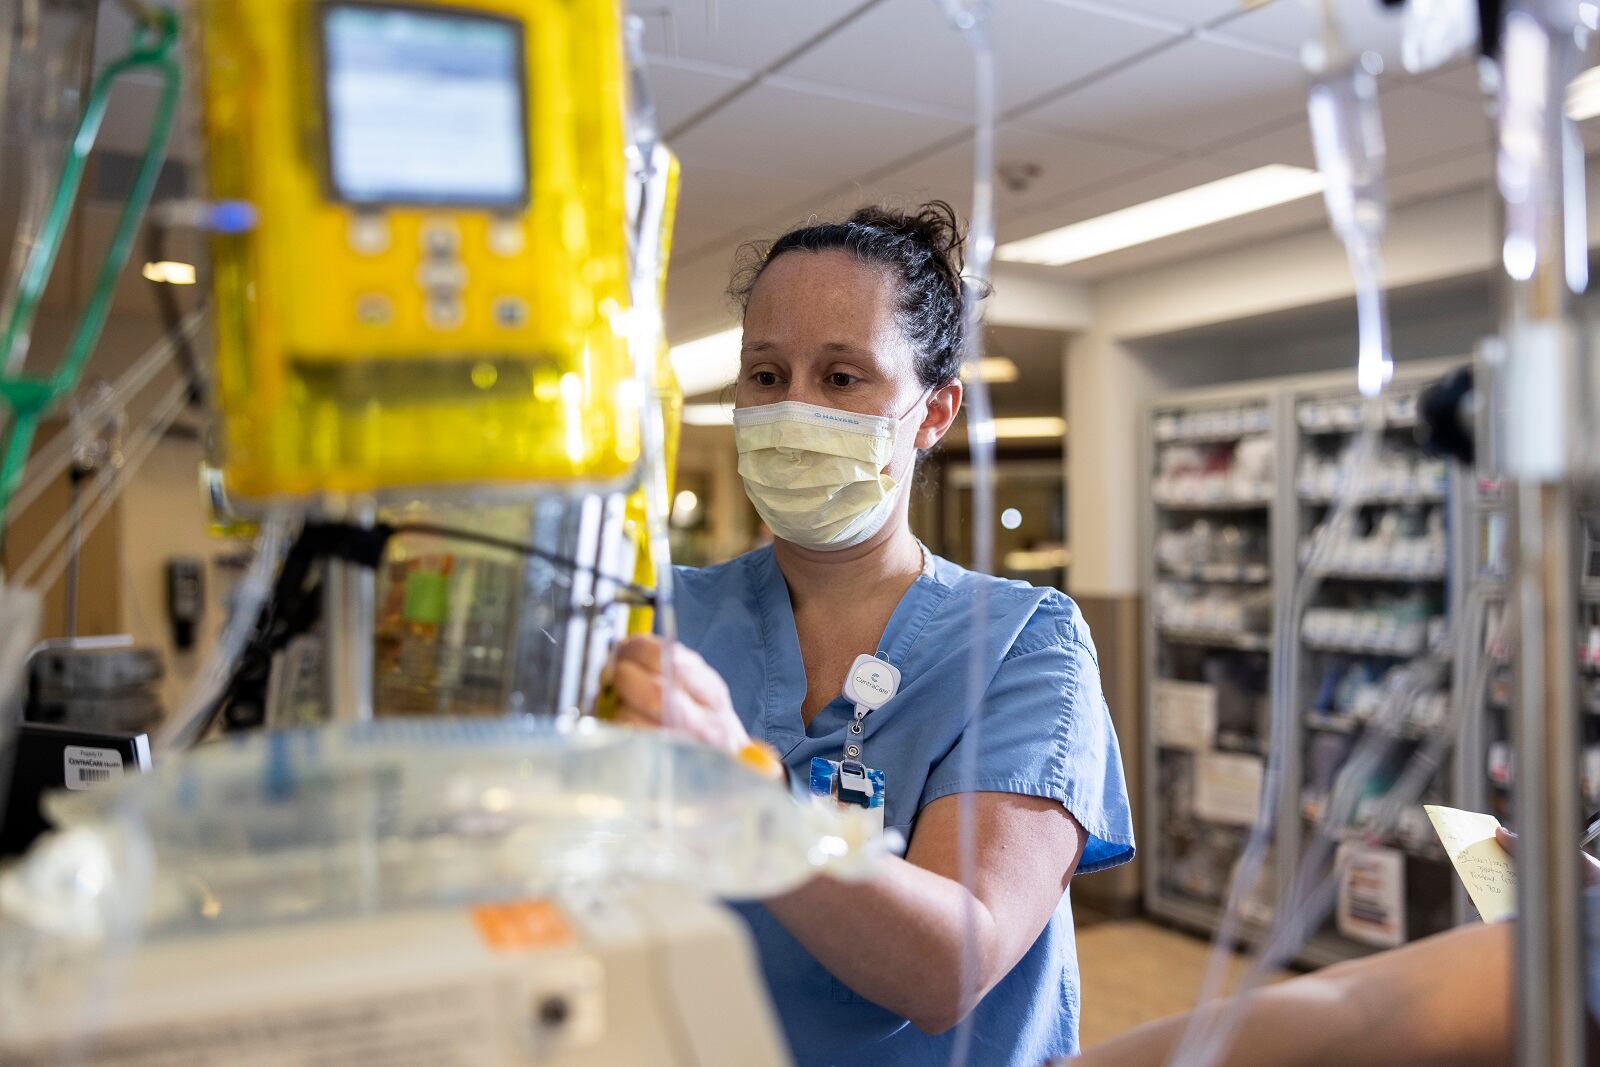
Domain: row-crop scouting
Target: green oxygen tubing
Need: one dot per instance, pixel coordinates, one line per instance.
(29, 397)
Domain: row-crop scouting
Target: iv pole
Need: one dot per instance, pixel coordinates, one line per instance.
(1544, 418)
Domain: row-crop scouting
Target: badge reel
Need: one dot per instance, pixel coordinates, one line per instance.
(870, 685)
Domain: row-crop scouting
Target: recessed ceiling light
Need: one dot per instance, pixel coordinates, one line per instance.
(170, 272)
(706, 363)
(1226, 198)
(995, 370)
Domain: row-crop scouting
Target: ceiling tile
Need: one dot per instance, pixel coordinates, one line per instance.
(1460, 78)
(1287, 26)
(1472, 169)
(1419, 124)
(682, 90)
(697, 301)
(1288, 141)
(904, 49)
(1187, 12)
(736, 33)
(788, 134)
(713, 203)
(1033, 169)
(1190, 96)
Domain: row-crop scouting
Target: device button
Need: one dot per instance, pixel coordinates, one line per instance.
(510, 312)
(441, 239)
(445, 311)
(369, 233)
(374, 309)
(447, 274)
(505, 237)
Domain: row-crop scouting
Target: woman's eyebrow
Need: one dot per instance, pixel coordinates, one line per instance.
(847, 348)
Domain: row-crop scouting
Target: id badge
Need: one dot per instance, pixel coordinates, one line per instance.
(850, 782)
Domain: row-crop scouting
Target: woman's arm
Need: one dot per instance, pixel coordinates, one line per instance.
(1441, 1002)
(897, 940)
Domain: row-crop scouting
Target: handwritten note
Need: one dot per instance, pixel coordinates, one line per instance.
(1484, 867)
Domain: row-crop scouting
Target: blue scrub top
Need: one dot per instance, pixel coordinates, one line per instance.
(1045, 732)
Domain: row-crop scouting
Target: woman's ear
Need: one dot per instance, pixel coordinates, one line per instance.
(940, 415)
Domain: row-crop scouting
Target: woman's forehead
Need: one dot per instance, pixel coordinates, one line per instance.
(820, 297)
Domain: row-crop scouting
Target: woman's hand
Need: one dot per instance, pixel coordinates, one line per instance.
(698, 703)
(1591, 867)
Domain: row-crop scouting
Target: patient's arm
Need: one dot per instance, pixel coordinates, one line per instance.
(1441, 1002)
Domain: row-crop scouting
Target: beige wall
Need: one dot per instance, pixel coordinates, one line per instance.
(161, 513)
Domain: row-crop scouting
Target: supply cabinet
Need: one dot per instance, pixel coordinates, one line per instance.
(1241, 479)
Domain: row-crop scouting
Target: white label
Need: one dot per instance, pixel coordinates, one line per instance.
(1372, 895)
(1228, 788)
(89, 767)
(1185, 714)
(872, 681)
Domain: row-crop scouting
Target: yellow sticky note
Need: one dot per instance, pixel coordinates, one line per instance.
(1483, 866)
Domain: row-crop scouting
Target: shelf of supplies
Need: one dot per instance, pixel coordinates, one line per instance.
(1224, 573)
(1239, 744)
(1239, 504)
(1351, 427)
(1213, 437)
(1349, 724)
(1378, 499)
(1246, 642)
(1347, 574)
(1311, 813)
(1365, 648)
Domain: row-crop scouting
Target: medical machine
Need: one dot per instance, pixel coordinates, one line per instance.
(489, 892)
(437, 242)
(429, 290)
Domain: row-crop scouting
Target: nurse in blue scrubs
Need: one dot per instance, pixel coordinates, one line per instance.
(849, 370)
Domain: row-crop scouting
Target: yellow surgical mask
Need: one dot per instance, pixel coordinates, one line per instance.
(815, 474)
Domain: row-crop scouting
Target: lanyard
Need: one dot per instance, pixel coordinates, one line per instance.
(870, 684)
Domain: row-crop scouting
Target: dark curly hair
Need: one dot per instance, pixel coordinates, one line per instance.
(923, 250)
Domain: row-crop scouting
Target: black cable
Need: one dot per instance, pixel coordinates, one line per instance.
(295, 605)
(171, 314)
(645, 595)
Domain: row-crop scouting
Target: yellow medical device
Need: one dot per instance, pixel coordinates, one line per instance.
(430, 293)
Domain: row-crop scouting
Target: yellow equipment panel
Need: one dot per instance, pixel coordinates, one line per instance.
(439, 256)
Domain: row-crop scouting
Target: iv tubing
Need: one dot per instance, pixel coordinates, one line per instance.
(644, 340)
(49, 461)
(971, 18)
(1348, 139)
(30, 397)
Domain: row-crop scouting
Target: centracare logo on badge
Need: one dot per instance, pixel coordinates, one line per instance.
(872, 681)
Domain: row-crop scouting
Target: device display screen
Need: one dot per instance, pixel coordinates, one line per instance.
(424, 106)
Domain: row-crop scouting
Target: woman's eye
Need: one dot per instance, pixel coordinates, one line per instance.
(841, 380)
(764, 378)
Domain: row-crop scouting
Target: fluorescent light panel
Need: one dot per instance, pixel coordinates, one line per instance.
(706, 363)
(1583, 95)
(708, 414)
(1226, 198)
